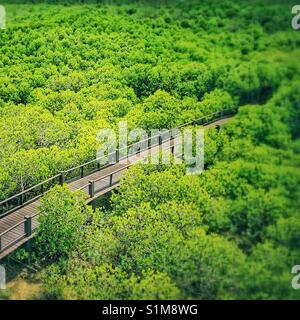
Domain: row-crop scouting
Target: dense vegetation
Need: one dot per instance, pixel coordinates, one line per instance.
(66, 72)
(232, 232)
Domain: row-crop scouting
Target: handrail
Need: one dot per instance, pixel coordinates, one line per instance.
(112, 173)
(81, 166)
(29, 189)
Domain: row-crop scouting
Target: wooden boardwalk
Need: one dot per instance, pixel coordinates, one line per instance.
(18, 227)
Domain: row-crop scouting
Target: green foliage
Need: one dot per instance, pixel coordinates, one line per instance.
(168, 240)
(267, 274)
(105, 282)
(5, 294)
(153, 286)
(61, 222)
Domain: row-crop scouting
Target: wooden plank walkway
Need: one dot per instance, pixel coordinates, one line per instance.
(13, 224)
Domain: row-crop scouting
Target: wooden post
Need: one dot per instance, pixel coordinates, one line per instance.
(28, 226)
(82, 171)
(92, 189)
(21, 199)
(111, 180)
(117, 155)
(62, 177)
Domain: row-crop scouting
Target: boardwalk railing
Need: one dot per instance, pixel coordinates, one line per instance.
(27, 196)
(18, 232)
